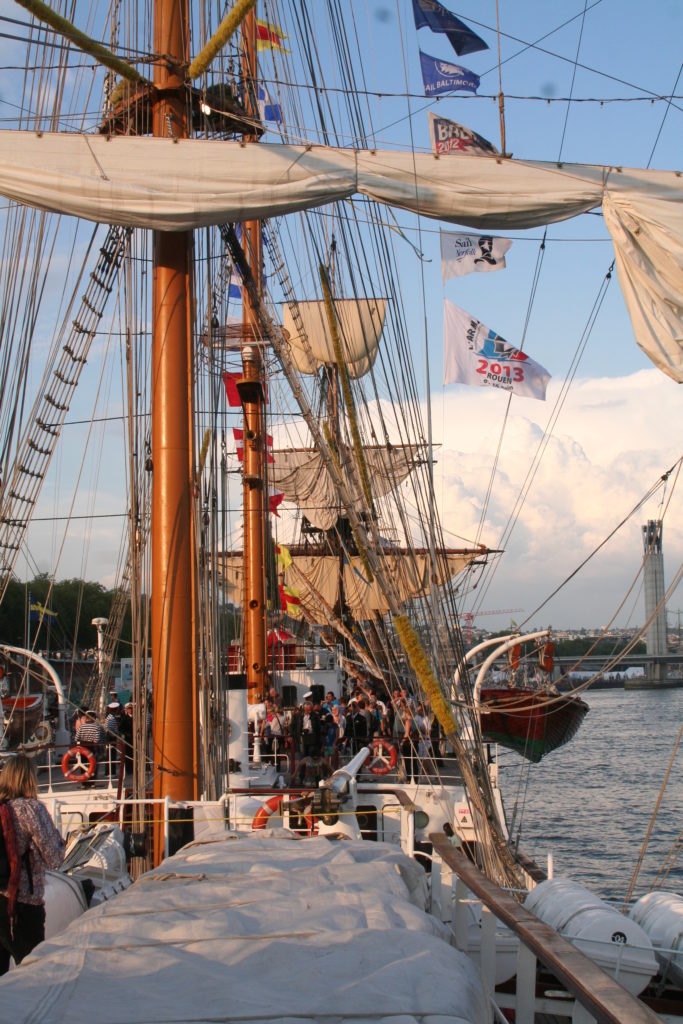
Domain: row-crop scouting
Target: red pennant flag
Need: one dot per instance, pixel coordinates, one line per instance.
(230, 379)
(275, 500)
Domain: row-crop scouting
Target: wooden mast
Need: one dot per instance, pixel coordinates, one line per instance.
(173, 608)
(251, 390)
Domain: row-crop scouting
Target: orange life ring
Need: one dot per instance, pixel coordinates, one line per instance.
(260, 819)
(514, 656)
(79, 764)
(547, 657)
(384, 756)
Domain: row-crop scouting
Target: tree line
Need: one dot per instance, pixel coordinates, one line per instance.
(74, 602)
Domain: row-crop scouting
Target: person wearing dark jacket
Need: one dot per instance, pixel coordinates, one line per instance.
(33, 844)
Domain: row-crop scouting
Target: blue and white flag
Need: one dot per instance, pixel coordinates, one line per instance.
(268, 110)
(431, 14)
(440, 76)
(465, 254)
(450, 137)
(474, 354)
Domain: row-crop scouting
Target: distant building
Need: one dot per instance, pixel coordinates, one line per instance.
(655, 609)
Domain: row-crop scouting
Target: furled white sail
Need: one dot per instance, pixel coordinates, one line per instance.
(360, 327)
(172, 184)
(409, 573)
(303, 478)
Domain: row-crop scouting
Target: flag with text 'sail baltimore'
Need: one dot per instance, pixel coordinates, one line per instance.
(440, 76)
(448, 136)
(465, 254)
(474, 354)
(431, 14)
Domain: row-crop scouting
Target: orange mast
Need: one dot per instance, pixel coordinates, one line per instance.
(252, 394)
(173, 606)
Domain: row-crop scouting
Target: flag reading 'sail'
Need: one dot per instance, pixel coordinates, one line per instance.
(432, 14)
(463, 254)
(450, 137)
(440, 76)
(474, 354)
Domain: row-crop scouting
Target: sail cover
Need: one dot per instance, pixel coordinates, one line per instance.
(303, 478)
(360, 327)
(172, 185)
(256, 928)
(407, 570)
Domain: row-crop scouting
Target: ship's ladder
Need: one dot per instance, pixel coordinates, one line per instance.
(58, 385)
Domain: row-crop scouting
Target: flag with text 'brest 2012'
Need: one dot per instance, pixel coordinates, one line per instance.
(448, 136)
(466, 254)
(431, 14)
(474, 354)
(441, 76)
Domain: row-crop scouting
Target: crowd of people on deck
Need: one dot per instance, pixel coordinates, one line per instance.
(320, 732)
(111, 732)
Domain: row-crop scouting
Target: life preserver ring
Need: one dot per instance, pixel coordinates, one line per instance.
(384, 756)
(79, 764)
(547, 656)
(260, 819)
(42, 733)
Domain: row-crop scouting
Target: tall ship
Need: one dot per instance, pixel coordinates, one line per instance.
(308, 786)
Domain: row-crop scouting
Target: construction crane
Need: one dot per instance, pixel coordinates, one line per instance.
(469, 617)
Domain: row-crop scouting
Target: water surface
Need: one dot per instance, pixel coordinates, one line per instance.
(590, 803)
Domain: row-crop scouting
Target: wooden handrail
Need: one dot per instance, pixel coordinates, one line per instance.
(601, 995)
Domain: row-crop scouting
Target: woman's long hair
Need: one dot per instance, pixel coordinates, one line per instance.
(18, 778)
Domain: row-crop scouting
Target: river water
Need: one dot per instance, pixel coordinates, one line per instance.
(590, 802)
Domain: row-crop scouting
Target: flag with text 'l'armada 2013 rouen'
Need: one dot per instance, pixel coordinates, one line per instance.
(448, 136)
(431, 14)
(474, 354)
(466, 254)
(441, 76)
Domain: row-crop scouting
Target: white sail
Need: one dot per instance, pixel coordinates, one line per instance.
(409, 573)
(360, 328)
(303, 479)
(171, 184)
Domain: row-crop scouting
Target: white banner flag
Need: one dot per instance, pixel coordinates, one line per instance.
(474, 354)
(450, 137)
(463, 254)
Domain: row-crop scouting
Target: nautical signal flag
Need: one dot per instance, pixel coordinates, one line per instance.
(290, 600)
(448, 136)
(230, 378)
(283, 556)
(431, 14)
(269, 37)
(238, 434)
(463, 254)
(268, 110)
(474, 354)
(441, 76)
(274, 502)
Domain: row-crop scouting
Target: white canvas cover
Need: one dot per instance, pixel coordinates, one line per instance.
(360, 323)
(171, 184)
(257, 927)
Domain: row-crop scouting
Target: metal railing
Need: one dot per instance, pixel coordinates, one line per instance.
(591, 995)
